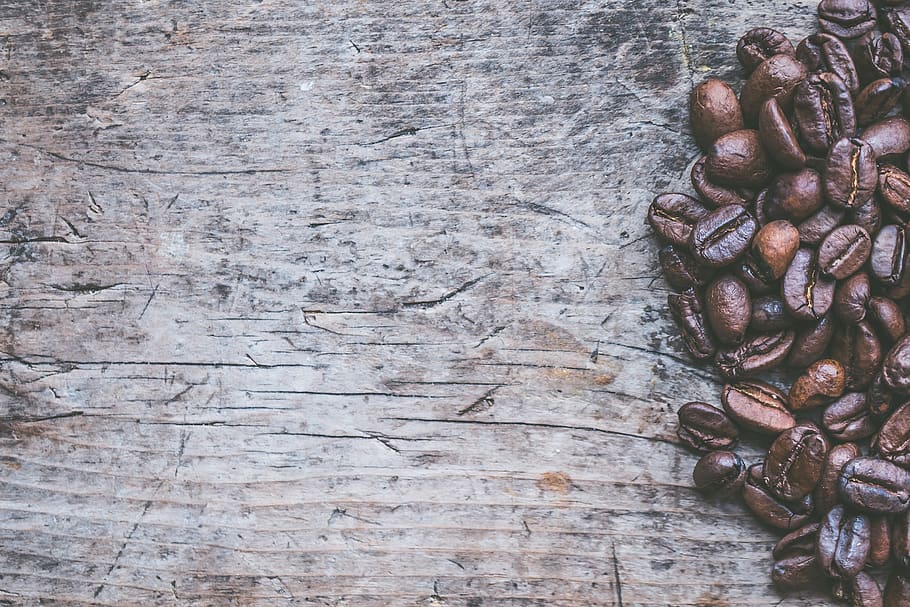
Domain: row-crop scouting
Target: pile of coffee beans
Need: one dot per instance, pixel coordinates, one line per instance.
(794, 254)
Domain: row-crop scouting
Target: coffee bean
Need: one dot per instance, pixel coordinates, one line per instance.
(719, 473)
(795, 460)
(851, 298)
(844, 251)
(795, 196)
(887, 319)
(770, 509)
(851, 175)
(825, 53)
(769, 314)
(713, 111)
(900, 540)
(811, 342)
(879, 58)
(874, 485)
(893, 439)
(760, 352)
(888, 137)
(774, 77)
(672, 217)
(880, 536)
(729, 308)
(818, 225)
(807, 293)
(868, 216)
(759, 44)
(825, 494)
(897, 21)
(723, 235)
(706, 428)
(778, 136)
(758, 406)
(774, 247)
(896, 367)
(823, 111)
(880, 400)
(846, 18)
(796, 572)
(746, 269)
(894, 187)
(843, 543)
(715, 194)
(877, 99)
(821, 382)
(857, 348)
(861, 591)
(889, 251)
(688, 312)
(738, 159)
(800, 542)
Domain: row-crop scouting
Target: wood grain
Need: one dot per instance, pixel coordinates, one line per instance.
(353, 303)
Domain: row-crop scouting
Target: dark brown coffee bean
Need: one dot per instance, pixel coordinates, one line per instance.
(807, 293)
(770, 509)
(877, 99)
(844, 251)
(851, 298)
(896, 367)
(715, 194)
(894, 187)
(795, 460)
(880, 400)
(888, 137)
(760, 352)
(874, 485)
(848, 419)
(713, 111)
(889, 251)
(811, 342)
(774, 77)
(795, 196)
(814, 229)
(897, 589)
(897, 21)
(688, 313)
(796, 573)
(778, 136)
(825, 53)
(901, 288)
(900, 540)
(843, 543)
(887, 319)
(719, 473)
(879, 58)
(738, 159)
(759, 208)
(774, 247)
(769, 314)
(868, 216)
(823, 111)
(857, 348)
(729, 308)
(893, 439)
(851, 175)
(679, 268)
(880, 535)
(825, 495)
(860, 591)
(706, 428)
(747, 271)
(800, 542)
(758, 406)
(672, 217)
(759, 44)
(846, 18)
(723, 235)
(821, 382)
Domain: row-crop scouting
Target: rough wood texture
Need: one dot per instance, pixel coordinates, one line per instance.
(353, 303)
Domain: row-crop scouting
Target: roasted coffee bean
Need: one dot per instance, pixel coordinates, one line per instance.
(879, 58)
(759, 44)
(888, 137)
(706, 428)
(880, 400)
(795, 196)
(715, 194)
(770, 509)
(893, 439)
(896, 367)
(860, 591)
(844, 251)
(887, 319)
(897, 589)
(843, 543)
(769, 314)
(900, 540)
(851, 175)
(774, 247)
(823, 111)
(802, 541)
(713, 111)
(851, 298)
(679, 268)
(877, 99)
(868, 216)
(811, 342)
(774, 77)
(894, 187)
(825, 53)
(758, 406)
(747, 271)
(846, 18)
(814, 229)
(897, 21)
(795, 460)
(672, 217)
(888, 254)
(857, 348)
(874, 485)
(738, 159)
(825, 495)
(848, 419)
(796, 572)
(901, 288)
(688, 313)
(778, 136)
(719, 473)
(807, 293)
(757, 353)
(723, 235)
(729, 308)
(759, 206)
(880, 534)
(821, 382)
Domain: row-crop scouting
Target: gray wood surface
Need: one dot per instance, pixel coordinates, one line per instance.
(353, 303)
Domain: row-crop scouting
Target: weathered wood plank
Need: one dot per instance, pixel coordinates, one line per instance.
(353, 303)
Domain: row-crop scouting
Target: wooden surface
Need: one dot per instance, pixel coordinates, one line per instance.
(352, 303)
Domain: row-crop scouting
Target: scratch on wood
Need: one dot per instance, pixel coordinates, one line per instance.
(484, 402)
(616, 576)
(435, 302)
